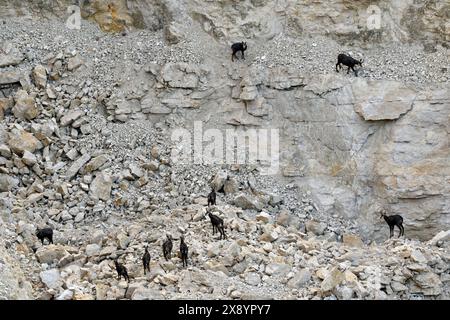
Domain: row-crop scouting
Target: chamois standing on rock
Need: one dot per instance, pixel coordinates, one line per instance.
(212, 198)
(236, 47)
(167, 247)
(349, 62)
(46, 233)
(121, 271)
(217, 223)
(392, 221)
(146, 260)
(184, 251)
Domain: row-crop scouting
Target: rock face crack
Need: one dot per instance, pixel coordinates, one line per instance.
(388, 100)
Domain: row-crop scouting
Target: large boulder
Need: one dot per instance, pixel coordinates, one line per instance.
(92, 249)
(332, 279)
(74, 63)
(9, 55)
(7, 183)
(382, 100)
(429, 282)
(440, 237)
(25, 107)
(230, 186)
(219, 180)
(40, 76)
(95, 163)
(21, 140)
(300, 279)
(77, 165)
(70, 117)
(352, 240)
(51, 253)
(101, 186)
(10, 77)
(277, 269)
(51, 278)
(316, 227)
(246, 201)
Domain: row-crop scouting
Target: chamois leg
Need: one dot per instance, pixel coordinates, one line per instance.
(402, 230)
(222, 232)
(243, 56)
(348, 70)
(338, 65)
(391, 231)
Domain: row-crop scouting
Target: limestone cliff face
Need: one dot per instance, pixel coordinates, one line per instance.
(380, 144)
(356, 143)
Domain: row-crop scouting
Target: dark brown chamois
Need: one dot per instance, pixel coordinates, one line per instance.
(236, 47)
(121, 271)
(349, 62)
(217, 223)
(184, 251)
(167, 247)
(146, 260)
(212, 198)
(392, 221)
(46, 233)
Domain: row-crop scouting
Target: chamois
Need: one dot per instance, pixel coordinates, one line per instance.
(46, 233)
(236, 47)
(183, 251)
(392, 221)
(167, 247)
(146, 260)
(217, 223)
(347, 61)
(212, 198)
(121, 271)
